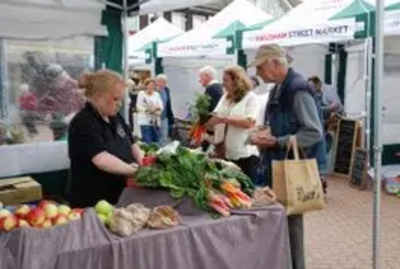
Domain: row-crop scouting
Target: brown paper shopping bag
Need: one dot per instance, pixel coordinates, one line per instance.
(297, 183)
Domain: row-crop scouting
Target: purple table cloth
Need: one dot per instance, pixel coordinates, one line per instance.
(254, 239)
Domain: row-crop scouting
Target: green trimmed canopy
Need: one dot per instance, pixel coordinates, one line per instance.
(230, 30)
(358, 7)
(395, 6)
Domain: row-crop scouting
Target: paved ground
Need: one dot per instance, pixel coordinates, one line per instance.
(340, 237)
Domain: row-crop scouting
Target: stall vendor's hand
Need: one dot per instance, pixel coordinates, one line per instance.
(215, 120)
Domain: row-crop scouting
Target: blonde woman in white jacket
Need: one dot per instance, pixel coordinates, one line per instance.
(149, 106)
(234, 118)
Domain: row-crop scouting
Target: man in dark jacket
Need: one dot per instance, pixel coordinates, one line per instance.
(207, 78)
(167, 116)
(291, 110)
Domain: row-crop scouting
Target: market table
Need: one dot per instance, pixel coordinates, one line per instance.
(255, 238)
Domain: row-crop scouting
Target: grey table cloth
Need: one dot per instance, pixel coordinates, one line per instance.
(251, 239)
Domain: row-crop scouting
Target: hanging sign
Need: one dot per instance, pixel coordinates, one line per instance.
(316, 34)
(392, 22)
(196, 49)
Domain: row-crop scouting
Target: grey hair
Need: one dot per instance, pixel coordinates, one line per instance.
(209, 70)
(162, 77)
(282, 61)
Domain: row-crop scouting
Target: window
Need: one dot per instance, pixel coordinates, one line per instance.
(198, 20)
(39, 87)
(179, 20)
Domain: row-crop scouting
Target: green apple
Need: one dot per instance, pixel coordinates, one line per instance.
(64, 210)
(102, 218)
(4, 213)
(50, 210)
(103, 207)
(109, 218)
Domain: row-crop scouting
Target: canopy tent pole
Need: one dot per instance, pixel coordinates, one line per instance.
(376, 248)
(125, 54)
(368, 82)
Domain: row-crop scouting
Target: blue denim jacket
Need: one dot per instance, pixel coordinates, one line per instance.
(282, 121)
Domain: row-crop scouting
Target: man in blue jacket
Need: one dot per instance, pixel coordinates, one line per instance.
(291, 110)
(167, 116)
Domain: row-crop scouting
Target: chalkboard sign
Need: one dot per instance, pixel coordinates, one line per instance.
(359, 167)
(346, 137)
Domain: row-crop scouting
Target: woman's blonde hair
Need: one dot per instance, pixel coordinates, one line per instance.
(241, 83)
(100, 81)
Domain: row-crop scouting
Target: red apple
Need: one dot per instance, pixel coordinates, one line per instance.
(4, 213)
(74, 216)
(79, 211)
(51, 210)
(64, 210)
(23, 223)
(36, 217)
(22, 211)
(44, 203)
(60, 220)
(8, 223)
(47, 224)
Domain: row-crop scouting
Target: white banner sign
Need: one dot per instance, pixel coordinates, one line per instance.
(327, 32)
(177, 50)
(392, 22)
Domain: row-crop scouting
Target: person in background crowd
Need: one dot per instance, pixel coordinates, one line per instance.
(237, 110)
(207, 78)
(327, 98)
(291, 110)
(28, 108)
(213, 89)
(62, 96)
(167, 116)
(132, 104)
(100, 143)
(149, 107)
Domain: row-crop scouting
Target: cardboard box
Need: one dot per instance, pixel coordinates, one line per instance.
(14, 191)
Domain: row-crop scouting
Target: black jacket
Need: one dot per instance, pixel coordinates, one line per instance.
(170, 113)
(215, 92)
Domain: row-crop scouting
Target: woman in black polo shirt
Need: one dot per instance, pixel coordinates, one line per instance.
(101, 145)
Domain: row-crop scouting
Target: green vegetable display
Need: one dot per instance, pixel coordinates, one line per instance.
(186, 173)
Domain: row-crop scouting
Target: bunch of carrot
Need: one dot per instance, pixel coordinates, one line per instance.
(226, 197)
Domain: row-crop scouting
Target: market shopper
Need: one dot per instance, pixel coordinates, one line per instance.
(150, 107)
(214, 90)
(100, 143)
(167, 116)
(237, 111)
(291, 110)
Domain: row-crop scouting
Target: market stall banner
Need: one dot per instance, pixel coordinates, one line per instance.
(322, 33)
(216, 47)
(392, 22)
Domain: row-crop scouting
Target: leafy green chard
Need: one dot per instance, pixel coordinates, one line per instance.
(201, 107)
(185, 174)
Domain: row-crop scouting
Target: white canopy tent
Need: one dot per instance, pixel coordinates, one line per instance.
(186, 54)
(159, 30)
(57, 19)
(43, 19)
(200, 41)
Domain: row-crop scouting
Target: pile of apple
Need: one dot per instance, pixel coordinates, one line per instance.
(104, 211)
(45, 215)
